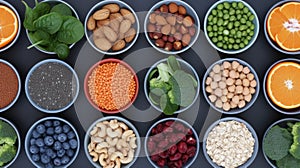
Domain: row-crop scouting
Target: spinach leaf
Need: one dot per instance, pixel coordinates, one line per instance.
(41, 8)
(167, 106)
(62, 9)
(71, 31)
(62, 50)
(39, 37)
(30, 17)
(50, 22)
(173, 63)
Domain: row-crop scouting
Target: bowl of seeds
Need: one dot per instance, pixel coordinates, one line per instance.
(230, 142)
(52, 86)
(111, 85)
(10, 85)
(230, 86)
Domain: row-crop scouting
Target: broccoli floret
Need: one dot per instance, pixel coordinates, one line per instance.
(156, 83)
(295, 148)
(7, 153)
(7, 134)
(288, 162)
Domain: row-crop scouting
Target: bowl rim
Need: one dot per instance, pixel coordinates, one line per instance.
(267, 131)
(197, 23)
(54, 1)
(28, 135)
(18, 140)
(275, 46)
(175, 120)
(5, 3)
(98, 6)
(278, 109)
(235, 110)
(19, 86)
(181, 61)
(75, 76)
(250, 128)
(101, 62)
(251, 42)
(107, 118)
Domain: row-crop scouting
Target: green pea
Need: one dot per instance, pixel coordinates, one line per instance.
(221, 29)
(225, 11)
(240, 5)
(214, 12)
(219, 44)
(242, 45)
(210, 34)
(219, 32)
(245, 10)
(215, 20)
(220, 22)
(239, 34)
(214, 39)
(251, 17)
(243, 20)
(236, 24)
(244, 33)
(220, 14)
(248, 30)
(210, 18)
(249, 14)
(226, 5)
(209, 28)
(232, 12)
(230, 25)
(242, 27)
(226, 16)
(232, 18)
(248, 23)
(220, 6)
(252, 27)
(249, 38)
(226, 38)
(236, 46)
(237, 41)
(225, 22)
(232, 31)
(225, 47)
(210, 23)
(215, 28)
(231, 40)
(220, 38)
(239, 16)
(245, 17)
(246, 42)
(251, 33)
(234, 4)
(230, 46)
(225, 32)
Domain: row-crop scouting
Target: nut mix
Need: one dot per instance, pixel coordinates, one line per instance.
(230, 85)
(171, 144)
(230, 144)
(112, 27)
(112, 143)
(171, 27)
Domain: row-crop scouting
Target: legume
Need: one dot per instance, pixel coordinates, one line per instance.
(111, 86)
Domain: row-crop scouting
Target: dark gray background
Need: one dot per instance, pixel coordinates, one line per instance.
(261, 55)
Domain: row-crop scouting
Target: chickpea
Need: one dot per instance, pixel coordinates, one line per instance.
(225, 73)
(242, 76)
(211, 74)
(224, 99)
(226, 106)
(219, 103)
(214, 85)
(246, 82)
(208, 81)
(248, 98)
(216, 69)
(235, 65)
(252, 90)
(253, 83)
(232, 74)
(238, 89)
(225, 91)
(230, 95)
(218, 92)
(208, 89)
(246, 70)
(241, 104)
(217, 78)
(231, 89)
(250, 76)
(238, 82)
(246, 91)
(236, 99)
(240, 68)
(212, 98)
(222, 85)
(226, 65)
(229, 81)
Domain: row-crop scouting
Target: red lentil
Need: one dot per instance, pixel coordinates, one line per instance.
(8, 85)
(111, 86)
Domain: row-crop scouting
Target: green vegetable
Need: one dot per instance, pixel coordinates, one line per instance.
(8, 139)
(277, 143)
(30, 16)
(71, 31)
(167, 106)
(157, 83)
(62, 50)
(41, 8)
(7, 153)
(288, 162)
(173, 64)
(295, 148)
(39, 37)
(49, 23)
(62, 9)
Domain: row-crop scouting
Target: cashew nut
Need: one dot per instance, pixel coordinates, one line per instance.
(123, 126)
(111, 142)
(102, 132)
(116, 133)
(130, 136)
(94, 131)
(113, 124)
(132, 142)
(118, 163)
(111, 150)
(100, 151)
(126, 134)
(102, 145)
(95, 156)
(91, 146)
(129, 158)
(125, 151)
(121, 143)
(96, 139)
(116, 155)
(102, 159)
(110, 165)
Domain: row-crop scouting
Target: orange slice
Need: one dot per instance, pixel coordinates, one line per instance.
(8, 25)
(283, 85)
(283, 26)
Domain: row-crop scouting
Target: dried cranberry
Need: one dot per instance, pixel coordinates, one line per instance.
(173, 138)
(191, 151)
(191, 140)
(185, 158)
(161, 162)
(164, 154)
(181, 136)
(172, 150)
(182, 147)
(178, 163)
(155, 158)
(163, 144)
(175, 157)
(168, 130)
(170, 164)
(151, 146)
(159, 128)
(169, 123)
(190, 132)
(158, 137)
(154, 131)
(180, 127)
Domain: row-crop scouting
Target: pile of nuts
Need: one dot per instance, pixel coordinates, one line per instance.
(171, 144)
(230, 144)
(112, 27)
(230, 85)
(112, 143)
(171, 27)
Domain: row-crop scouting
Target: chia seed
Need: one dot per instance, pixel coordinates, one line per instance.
(52, 86)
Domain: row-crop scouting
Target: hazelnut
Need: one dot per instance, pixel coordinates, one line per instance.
(178, 36)
(192, 31)
(168, 46)
(177, 45)
(160, 43)
(173, 7)
(183, 29)
(188, 21)
(165, 38)
(171, 39)
(157, 35)
(186, 39)
(164, 8)
(151, 27)
(181, 10)
(151, 35)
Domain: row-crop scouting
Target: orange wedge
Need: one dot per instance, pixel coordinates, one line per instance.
(8, 25)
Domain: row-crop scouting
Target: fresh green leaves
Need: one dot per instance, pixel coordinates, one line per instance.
(171, 87)
(280, 138)
(52, 29)
(295, 148)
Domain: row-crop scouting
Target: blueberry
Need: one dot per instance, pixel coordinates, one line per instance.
(57, 145)
(71, 135)
(35, 134)
(66, 128)
(49, 165)
(55, 137)
(49, 152)
(70, 152)
(41, 128)
(48, 123)
(66, 145)
(39, 142)
(73, 143)
(45, 159)
(43, 149)
(35, 157)
(56, 123)
(34, 149)
(32, 141)
(48, 140)
(61, 153)
(58, 130)
(50, 131)
(57, 162)
(65, 160)
(62, 137)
